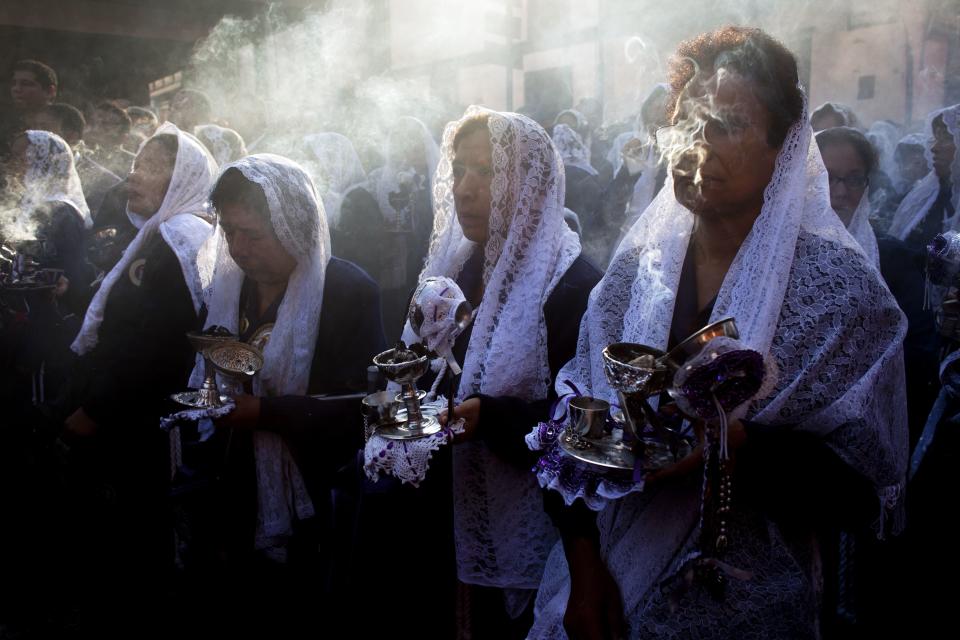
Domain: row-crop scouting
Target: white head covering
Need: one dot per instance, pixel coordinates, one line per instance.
(225, 144)
(52, 176)
(801, 291)
(577, 115)
(572, 149)
(178, 222)
(300, 224)
(862, 231)
(883, 135)
(388, 178)
(336, 170)
(502, 534)
(918, 201)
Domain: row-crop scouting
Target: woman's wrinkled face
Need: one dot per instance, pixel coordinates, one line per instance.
(254, 245)
(944, 148)
(147, 184)
(848, 178)
(472, 177)
(724, 162)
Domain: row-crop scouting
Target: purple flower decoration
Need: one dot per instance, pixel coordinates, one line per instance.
(943, 258)
(732, 378)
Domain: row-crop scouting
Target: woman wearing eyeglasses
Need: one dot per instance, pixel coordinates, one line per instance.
(850, 158)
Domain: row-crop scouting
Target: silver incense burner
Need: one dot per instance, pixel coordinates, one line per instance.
(223, 354)
(405, 366)
(617, 440)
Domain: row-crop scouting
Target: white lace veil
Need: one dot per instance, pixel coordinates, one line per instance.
(336, 170)
(801, 291)
(918, 201)
(178, 221)
(225, 144)
(297, 218)
(572, 148)
(883, 136)
(502, 534)
(388, 177)
(862, 231)
(51, 176)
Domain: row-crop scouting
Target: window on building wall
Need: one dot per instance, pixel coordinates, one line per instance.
(866, 86)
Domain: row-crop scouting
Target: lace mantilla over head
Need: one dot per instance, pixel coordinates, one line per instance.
(336, 169)
(298, 219)
(801, 291)
(397, 168)
(51, 176)
(225, 144)
(193, 172)
(918, 201)
(572, 148)
(862, 231)
(502, 534)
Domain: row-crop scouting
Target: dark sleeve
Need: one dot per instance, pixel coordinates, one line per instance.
(67, 236)
(504, 420)
(583, 198)
(145, 347)
(794, 478)
(328, 431)
(616, 197)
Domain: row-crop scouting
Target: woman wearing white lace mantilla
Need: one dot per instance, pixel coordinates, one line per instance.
(133, 334)
(356, 225)
(40, 170)
(133, 353)
(931, 206)
(744, 229)
(403, 188)
(271, 281)
(499, 232)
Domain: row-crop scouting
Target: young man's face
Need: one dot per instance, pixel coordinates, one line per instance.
(28, 94)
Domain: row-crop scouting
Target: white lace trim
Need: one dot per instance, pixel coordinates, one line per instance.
(190, 183)
(298, 219)
(502, 534)
(52, 176)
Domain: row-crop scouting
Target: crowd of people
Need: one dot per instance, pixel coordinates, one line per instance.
(727, 195)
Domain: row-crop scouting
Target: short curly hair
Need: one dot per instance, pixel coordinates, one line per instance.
(753, 54)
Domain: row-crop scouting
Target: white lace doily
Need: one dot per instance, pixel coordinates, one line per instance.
(570, 477)
(406, 460)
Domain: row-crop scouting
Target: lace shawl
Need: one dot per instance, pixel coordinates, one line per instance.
(801, 291)
(52, 176)
(502, 534)
(297, 217)
(336, 170)
(572, 149)
(388, 178)
(193, 173)
(918, 201)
